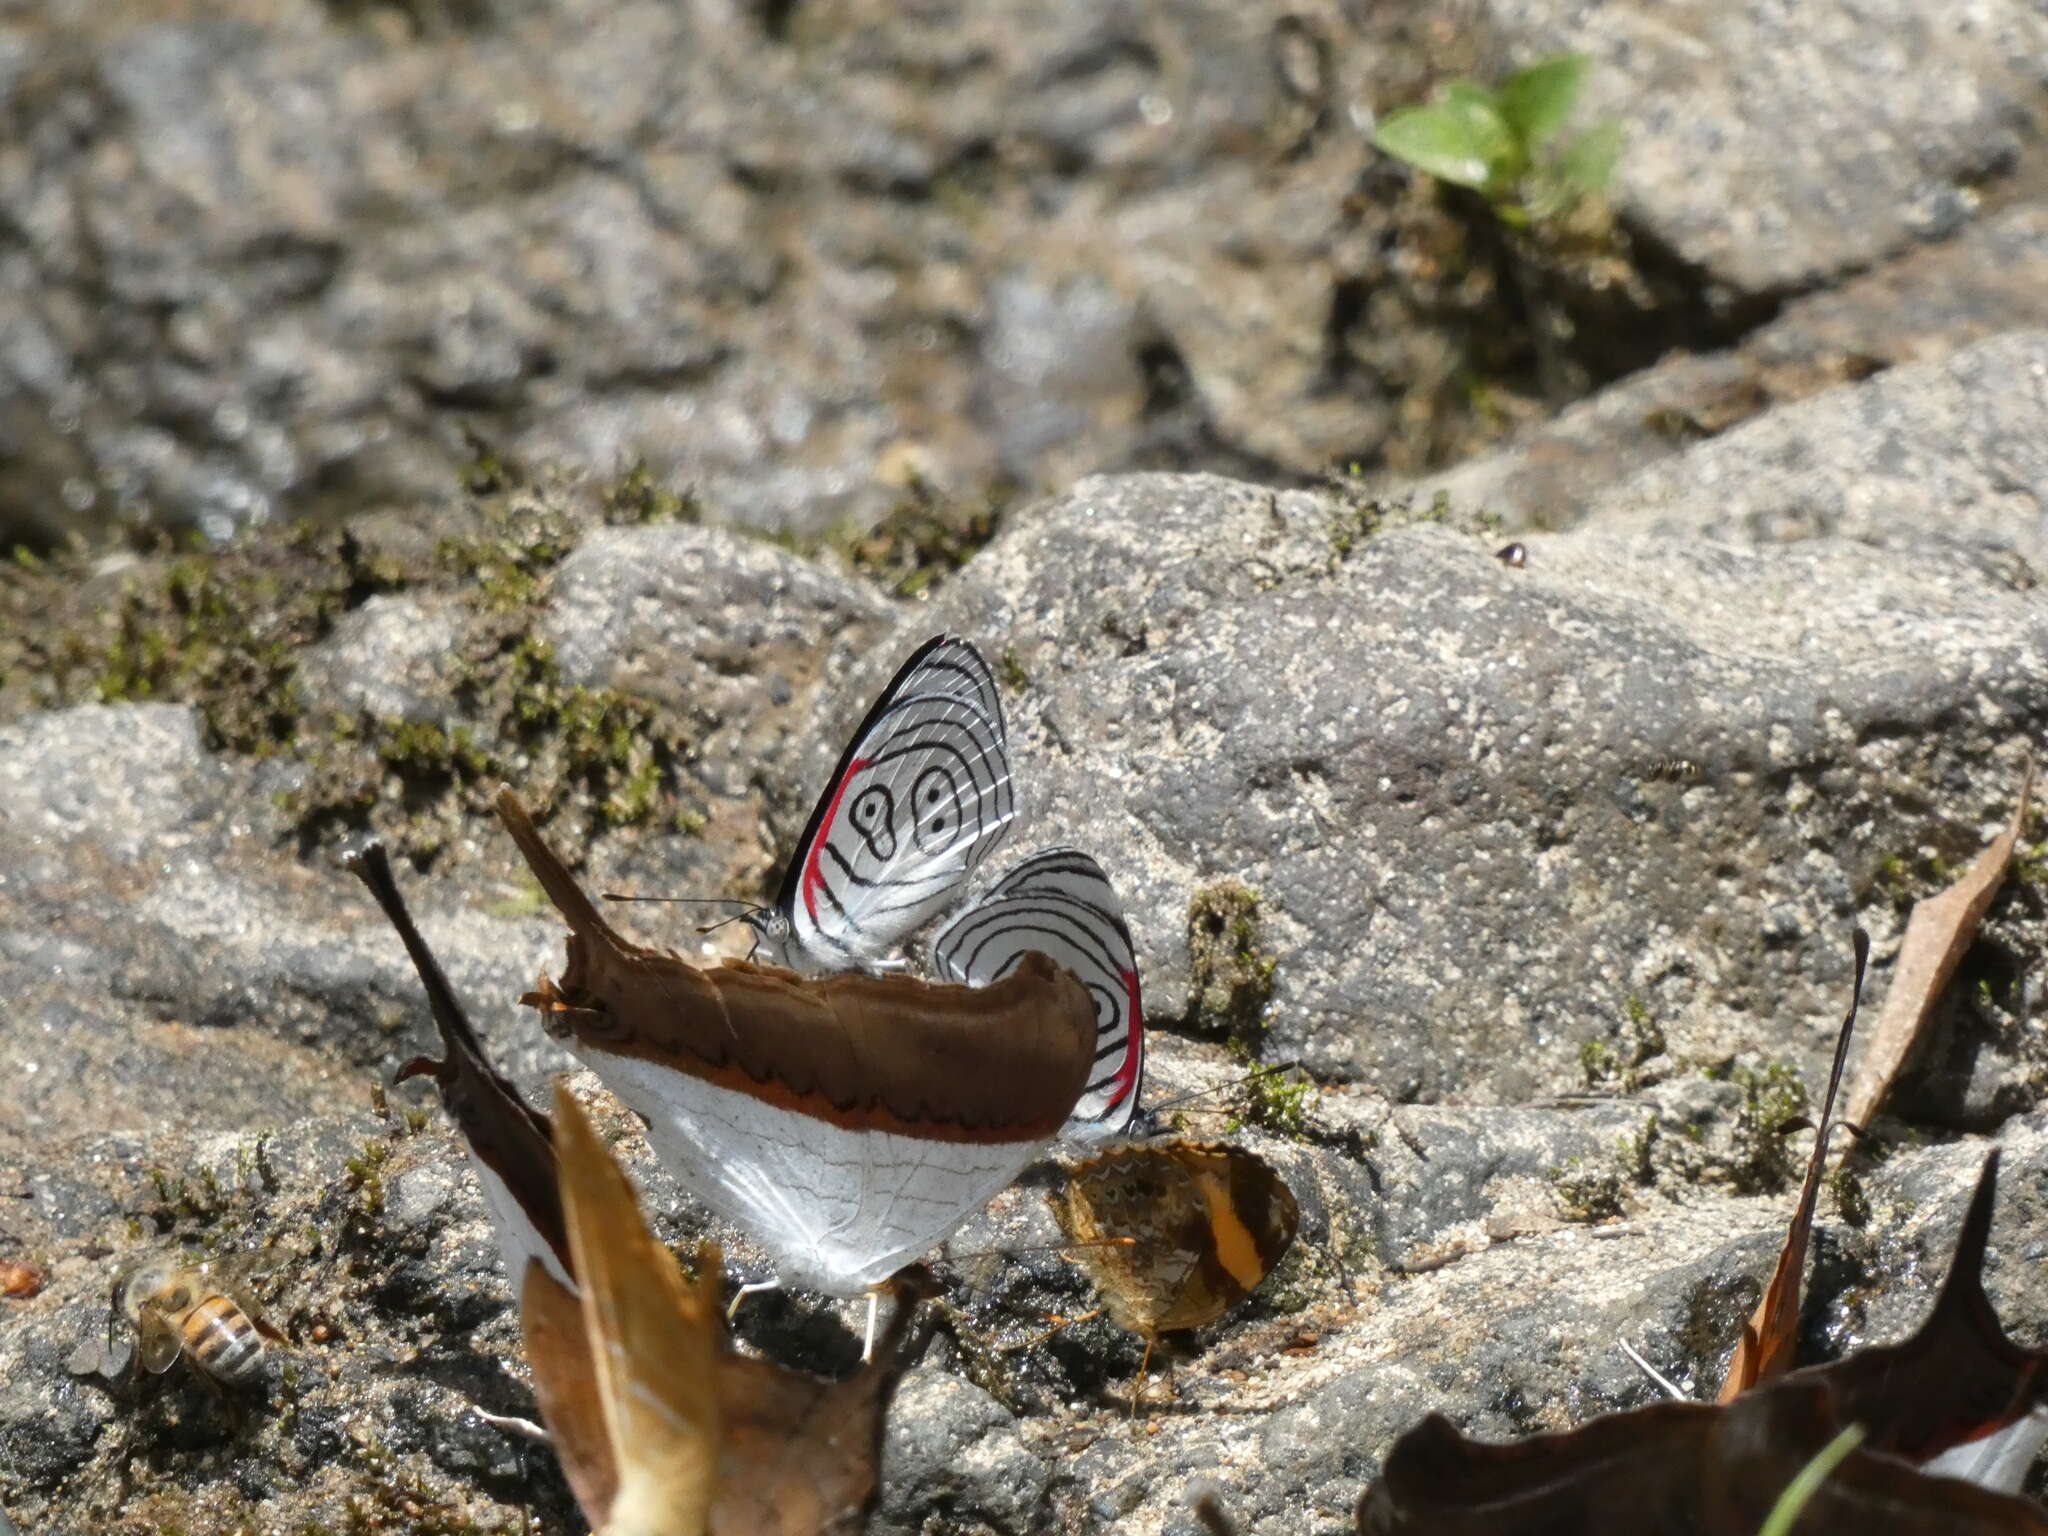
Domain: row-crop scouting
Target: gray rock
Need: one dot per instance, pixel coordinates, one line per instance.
(1451, 784)
(1777, 149)
(271, 262)
(1407, 749)
(126, 776)
(722, 631)
(953, 1448)
(1990, 279)
(389, 658)
(1934, 453)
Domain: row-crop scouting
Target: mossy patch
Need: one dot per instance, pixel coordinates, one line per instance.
(221, 630)
(224, 631)
(1617, 1065)
(1276, 1102)
(1591, 1189)
(606, 758)
(1231, 972)
(923, 539)
(1766, 1159)
(1360, 517)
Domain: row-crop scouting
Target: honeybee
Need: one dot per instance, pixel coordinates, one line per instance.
(205, 1312)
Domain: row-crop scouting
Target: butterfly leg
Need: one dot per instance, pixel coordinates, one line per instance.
(1138, 1387)
(1057, 1322)
(749, 1289)
(511, 1424)
(867, 1348)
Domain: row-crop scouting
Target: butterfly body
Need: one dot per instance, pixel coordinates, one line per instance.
(922, 793)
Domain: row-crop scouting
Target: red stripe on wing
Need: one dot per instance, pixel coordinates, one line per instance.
(813, 876)
(1134, 1022)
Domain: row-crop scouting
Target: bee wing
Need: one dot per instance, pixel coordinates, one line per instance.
(231, 1274)
(233, 1269)
(156, 1340)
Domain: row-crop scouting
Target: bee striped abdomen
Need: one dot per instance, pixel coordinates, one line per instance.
(223, 1342)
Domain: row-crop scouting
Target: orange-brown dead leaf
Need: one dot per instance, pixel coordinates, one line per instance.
(20, 1279)
(1771, 1335)
(565, 1382)
(661, 1428)
(654, 1341)
(1940, 930)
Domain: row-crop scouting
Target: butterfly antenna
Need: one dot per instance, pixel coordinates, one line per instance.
(725, 922)
(683, 901)
(1200, 1093)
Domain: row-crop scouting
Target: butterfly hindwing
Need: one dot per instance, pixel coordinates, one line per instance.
(922, 794)
(1060, 903)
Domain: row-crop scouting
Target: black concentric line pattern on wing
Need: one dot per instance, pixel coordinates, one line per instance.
(921, 795)
(1058, 901)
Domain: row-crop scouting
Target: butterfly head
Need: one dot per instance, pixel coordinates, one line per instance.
(772, 935)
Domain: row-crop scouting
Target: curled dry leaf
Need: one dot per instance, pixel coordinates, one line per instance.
(1699, 1469)
(1771, 1335)
(1676, 1469)
(662, 1429)
(1938, 934)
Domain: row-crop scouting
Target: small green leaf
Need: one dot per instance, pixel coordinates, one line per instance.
(1440, 140)
(1535, 102)
(1587, 164)
(1506, 157)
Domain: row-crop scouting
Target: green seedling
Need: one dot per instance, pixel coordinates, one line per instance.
(1505, 143)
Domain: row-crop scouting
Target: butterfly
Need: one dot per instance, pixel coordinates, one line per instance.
(1060, 903)
(1174, 1234)
(510, 1143)
(847, 1123)
(922, 794)
(662, 1430)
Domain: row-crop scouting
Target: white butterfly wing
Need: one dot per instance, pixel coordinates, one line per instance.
(921, 796)
(1060, 903)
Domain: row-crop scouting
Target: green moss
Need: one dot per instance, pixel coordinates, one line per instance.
(1596, 1189)
(1231, 974)
(925, 538)
(1589, 1191)
(1771, 1095)
(1901, 881)
(1851, 1199)
(1617, 1066)
(221, 630)
(365, 1173)
(1360, 517)
(519, 538)
(608, 757)
(1274, 1102)
(635, 498)
(1015, 678)
(190, 1198)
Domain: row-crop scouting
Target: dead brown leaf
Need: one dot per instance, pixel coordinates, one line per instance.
(1938, 933)
(20, 1279)
(1771, 1335)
